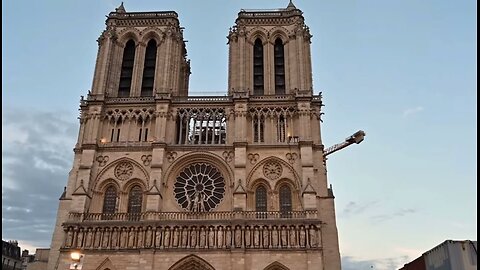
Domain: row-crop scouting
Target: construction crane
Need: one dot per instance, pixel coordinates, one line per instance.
(357, 138)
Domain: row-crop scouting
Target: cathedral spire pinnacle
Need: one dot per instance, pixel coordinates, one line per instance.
(120, 9)
(291, 6)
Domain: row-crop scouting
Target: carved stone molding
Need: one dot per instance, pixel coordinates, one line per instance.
(228, 155)
(146, 159)
(291, 157)
(102, 160)
(171, 156)
(124, 170)
(253, 157)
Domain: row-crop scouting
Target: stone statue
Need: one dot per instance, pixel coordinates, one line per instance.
(220, 237)
(69, 238)
(202, 237)
(196, 204)
(238, 237)
(301, 234)
(283, 236)
(256, 237)
(166, 238)
(211, 237)
(274, 237)
(80, 238)
(123, 238)
(114, 238)
(140, 238)
(88, 238)
(247, 237)
(131, 238)
(193, 238)
(313, 237)
(158, 238)
(148, 237)
(184, 237)
(176, 236)
(265, 237)
(293, 236)
(98, 236)
(106, 236)
(228, 236)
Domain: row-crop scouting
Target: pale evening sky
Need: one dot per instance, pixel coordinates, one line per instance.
(402, 71)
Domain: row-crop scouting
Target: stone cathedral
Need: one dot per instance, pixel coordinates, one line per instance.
(164, 180)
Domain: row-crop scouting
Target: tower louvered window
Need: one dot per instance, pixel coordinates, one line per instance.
(285, 201)
(110, 200)
(258, 126)
(258, 67)
(127, 69)
(279, 60)
(149, 69)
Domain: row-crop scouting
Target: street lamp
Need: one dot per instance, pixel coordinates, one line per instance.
(77, 259)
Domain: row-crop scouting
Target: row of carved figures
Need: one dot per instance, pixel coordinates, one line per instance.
(293, 236)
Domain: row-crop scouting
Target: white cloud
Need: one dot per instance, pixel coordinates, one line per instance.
(411, 111)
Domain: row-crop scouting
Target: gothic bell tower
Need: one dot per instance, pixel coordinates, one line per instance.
(163, 180)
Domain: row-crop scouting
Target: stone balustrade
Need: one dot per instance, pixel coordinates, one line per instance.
(185, 216)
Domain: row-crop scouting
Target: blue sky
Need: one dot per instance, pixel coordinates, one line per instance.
(402, 71)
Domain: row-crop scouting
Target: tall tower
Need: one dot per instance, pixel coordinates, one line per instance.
(161, 180)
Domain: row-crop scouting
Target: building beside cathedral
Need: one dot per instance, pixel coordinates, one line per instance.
(164, 180)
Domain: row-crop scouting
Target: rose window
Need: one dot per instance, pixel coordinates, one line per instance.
(124, 170)
(272, 170)
(199, 187)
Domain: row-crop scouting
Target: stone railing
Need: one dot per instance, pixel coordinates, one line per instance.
(179, 216)
(201, 99)
(117, 100)
(124, 144)
(280, 235)
(272, 97)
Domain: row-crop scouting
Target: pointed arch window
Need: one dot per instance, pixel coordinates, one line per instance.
(258, 67)
(279, 60)
(149, 69)
(285, 201)
(127, 69)
(135, 202)
(258, 128)
(110, 200)
(281, 128)
(261, 202)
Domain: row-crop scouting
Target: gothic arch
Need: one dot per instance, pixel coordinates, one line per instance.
(295, 180)
(106, 265)
(260, 182)
(106, 183)
(192, 262)
(257, 32)
(139, 173)
(278, 32)
(276, 266)
(152, 33)
(128, 33)
(134, 182)
(174, 169)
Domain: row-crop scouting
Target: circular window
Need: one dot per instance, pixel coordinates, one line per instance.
(199, 187)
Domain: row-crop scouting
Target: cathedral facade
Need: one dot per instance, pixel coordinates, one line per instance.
(164, 180)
